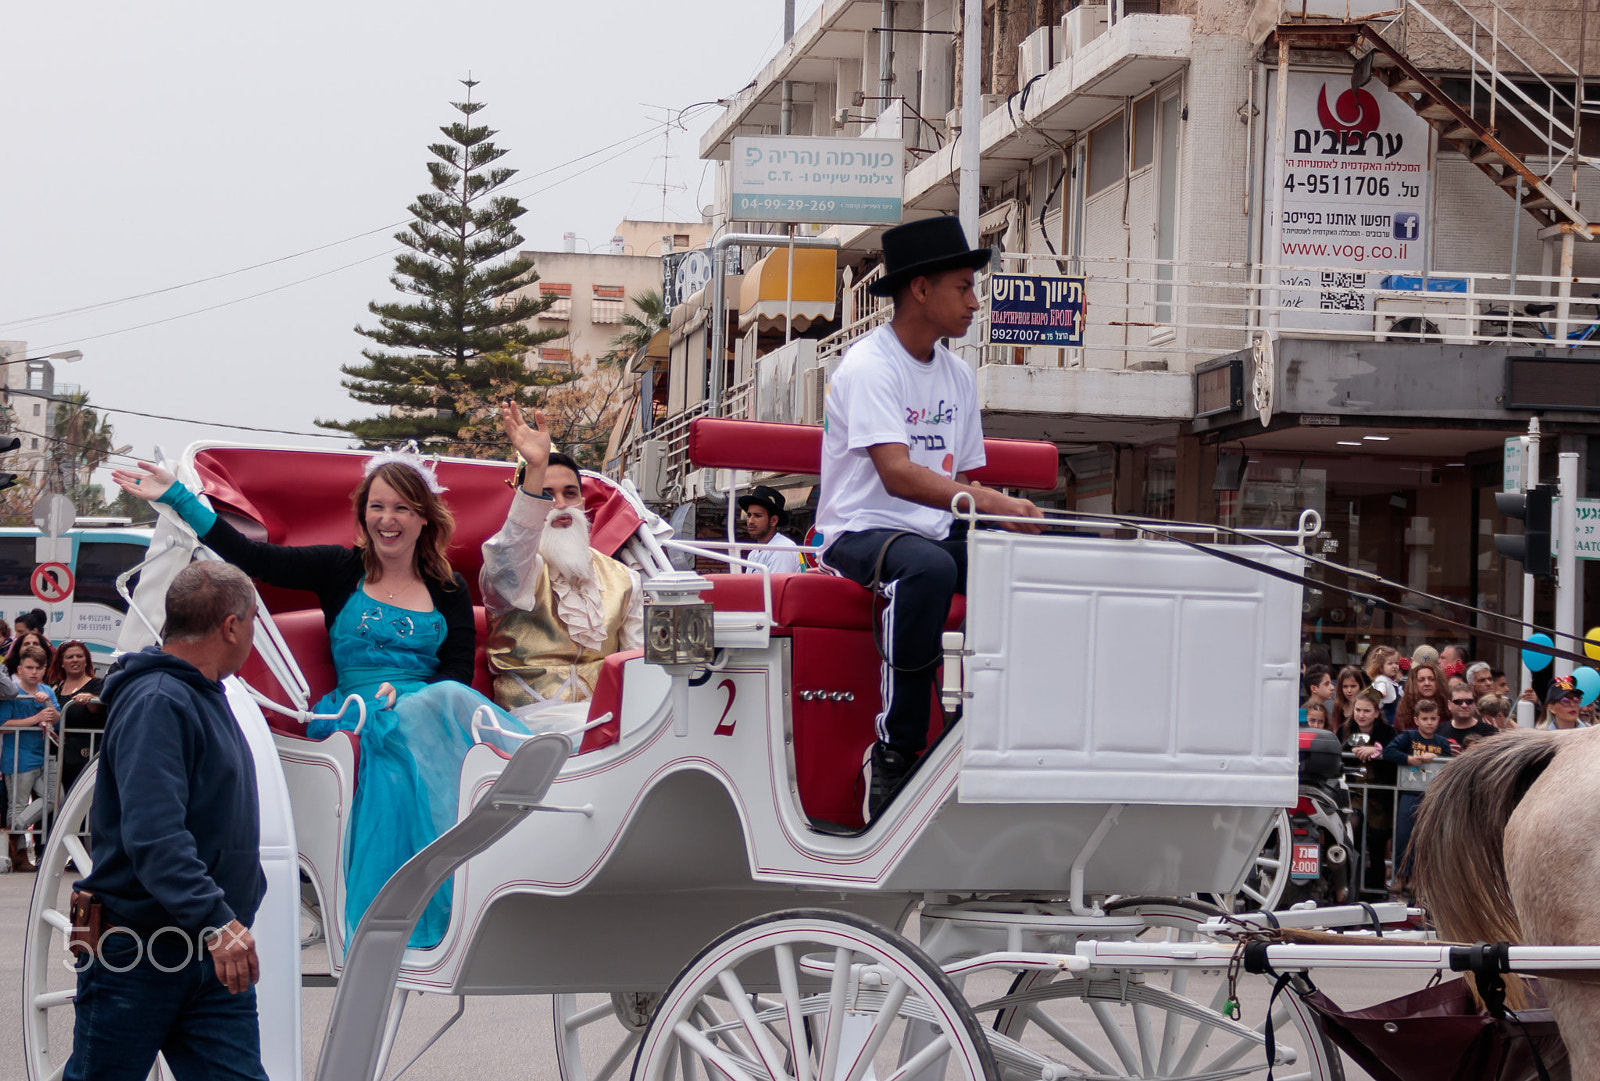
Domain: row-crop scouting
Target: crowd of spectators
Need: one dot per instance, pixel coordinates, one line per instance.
(50, 718)
(1400, 718)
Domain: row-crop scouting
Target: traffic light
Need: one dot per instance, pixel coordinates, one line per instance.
(1531, 547)
(6, 447)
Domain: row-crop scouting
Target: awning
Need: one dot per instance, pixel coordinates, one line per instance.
(763, 295)
(655, 355)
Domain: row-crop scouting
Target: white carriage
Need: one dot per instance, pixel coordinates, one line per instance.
(696, 878)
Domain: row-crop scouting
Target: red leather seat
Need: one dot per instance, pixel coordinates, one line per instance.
(797, 448)
(809, 600)
(829, 622)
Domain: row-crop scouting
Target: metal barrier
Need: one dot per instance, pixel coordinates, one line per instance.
(1384, 798)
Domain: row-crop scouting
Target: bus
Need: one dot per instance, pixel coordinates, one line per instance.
(101, 550)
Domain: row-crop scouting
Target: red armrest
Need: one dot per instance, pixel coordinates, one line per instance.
(607, 698)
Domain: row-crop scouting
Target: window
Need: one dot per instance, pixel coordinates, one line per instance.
(1107, 154)
(36, 408)
(1144, 132)
(99, 563)
(35, 445)
(16, 564)
(561, 296)
(1048, 184)
(606, 306)
(680, 241)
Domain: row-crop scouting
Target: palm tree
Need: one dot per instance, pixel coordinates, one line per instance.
(80, 441)
(653, 317)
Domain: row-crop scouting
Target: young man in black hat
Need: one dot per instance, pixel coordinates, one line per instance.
(902, 430)
(763, 515)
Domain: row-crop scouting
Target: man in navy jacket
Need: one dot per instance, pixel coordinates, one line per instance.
(175, 836)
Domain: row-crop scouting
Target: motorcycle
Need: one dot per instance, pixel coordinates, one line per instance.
(1324, 828)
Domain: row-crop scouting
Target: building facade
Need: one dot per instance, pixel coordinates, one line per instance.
(1283, 312)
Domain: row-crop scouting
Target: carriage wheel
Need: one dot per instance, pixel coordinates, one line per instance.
(49, 984)
(1263, 888)
(813, 995)
(597, 1034)
(1155, 1024)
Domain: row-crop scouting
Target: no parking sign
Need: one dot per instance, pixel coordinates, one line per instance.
(51, 582)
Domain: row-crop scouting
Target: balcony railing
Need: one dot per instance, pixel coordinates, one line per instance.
(1145, 314)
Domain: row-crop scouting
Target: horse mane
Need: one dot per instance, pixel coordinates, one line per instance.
(1458, 843)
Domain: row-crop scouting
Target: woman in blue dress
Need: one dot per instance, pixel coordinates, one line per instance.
(400, 626)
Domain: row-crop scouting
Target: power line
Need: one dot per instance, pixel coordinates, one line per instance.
(239, 427)
(638, 141)
(62, 313)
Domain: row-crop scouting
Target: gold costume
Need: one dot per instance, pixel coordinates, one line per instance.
(533, 649)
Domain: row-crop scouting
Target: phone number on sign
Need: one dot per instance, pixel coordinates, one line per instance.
(1344, 184)
(748, 203)
(1039, 336)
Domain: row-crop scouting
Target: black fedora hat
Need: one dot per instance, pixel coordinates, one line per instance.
(924, 247)
(770, 498)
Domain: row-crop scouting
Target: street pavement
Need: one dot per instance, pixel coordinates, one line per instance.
(499, 1036)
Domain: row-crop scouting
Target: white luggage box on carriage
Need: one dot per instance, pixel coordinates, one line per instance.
(1114, 671)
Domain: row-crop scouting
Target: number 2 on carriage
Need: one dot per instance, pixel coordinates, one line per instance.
(725, 726)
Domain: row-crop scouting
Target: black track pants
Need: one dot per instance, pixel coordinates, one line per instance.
(917, 578)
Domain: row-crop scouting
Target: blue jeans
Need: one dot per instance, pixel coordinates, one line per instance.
(124, 1018)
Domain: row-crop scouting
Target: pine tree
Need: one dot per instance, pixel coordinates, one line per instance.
(449, 356)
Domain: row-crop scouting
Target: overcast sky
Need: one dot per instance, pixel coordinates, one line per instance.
(151, 145)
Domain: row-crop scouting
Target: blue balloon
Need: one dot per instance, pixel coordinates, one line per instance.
(1537, 662)
(1588, 681)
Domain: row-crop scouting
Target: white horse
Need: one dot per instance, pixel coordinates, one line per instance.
(1507, 849)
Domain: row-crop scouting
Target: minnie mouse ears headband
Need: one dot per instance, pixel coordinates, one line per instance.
(411, 458)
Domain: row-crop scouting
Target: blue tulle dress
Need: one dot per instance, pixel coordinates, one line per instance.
(410, 771)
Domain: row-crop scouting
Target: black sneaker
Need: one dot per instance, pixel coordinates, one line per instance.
(885, 770)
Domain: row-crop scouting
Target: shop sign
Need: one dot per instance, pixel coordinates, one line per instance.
(817, 179)
(1355, 197)
(1586, 537)
(1511, 479)
(1035, 309)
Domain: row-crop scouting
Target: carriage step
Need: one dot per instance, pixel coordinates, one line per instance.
(832, 829)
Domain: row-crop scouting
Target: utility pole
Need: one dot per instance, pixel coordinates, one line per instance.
(1526, 711)
(1566, 531)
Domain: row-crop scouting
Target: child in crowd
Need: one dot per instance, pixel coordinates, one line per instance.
(1497, 711)
(1316, 711)
(1350, 682)
(29, 770)
(1318, 682)
(1383, 669)
(1413, 752)
(1364, 736)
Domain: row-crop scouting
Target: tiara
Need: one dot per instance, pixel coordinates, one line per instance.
(411, 458)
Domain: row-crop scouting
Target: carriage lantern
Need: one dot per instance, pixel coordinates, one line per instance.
(677, 623)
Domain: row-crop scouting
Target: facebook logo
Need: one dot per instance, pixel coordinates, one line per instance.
(1407, 224)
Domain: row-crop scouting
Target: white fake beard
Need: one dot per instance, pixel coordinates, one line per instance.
(566, 550)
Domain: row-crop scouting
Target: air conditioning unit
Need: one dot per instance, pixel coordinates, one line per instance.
(1036, 54)
(813, 394)
(1080, 26)
(649, 472)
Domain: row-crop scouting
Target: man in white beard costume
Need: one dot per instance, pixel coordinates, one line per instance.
(557, 608)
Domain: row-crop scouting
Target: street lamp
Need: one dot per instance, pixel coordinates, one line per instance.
(69, 356)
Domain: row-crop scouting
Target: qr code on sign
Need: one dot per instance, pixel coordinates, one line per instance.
(1343, 302)
(1336, 280)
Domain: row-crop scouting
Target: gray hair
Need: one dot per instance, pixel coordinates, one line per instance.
(1476, 666)
(203, 596)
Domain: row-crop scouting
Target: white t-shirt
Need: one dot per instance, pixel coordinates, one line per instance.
(882, 394)
(779, 554)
